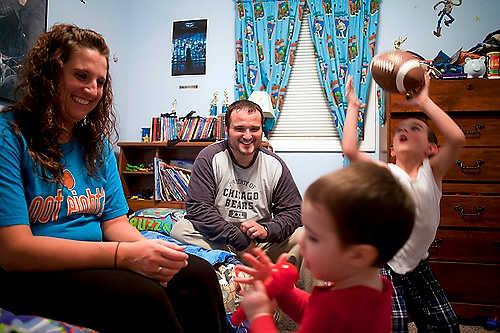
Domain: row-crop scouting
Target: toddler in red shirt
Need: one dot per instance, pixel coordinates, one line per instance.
(355, 220)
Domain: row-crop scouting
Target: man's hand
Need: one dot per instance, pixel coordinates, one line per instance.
(253, 229)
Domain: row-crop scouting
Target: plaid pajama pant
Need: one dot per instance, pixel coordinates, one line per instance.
(419, 294)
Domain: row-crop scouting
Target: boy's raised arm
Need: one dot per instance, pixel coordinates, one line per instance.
(350, 139)
(454, 138)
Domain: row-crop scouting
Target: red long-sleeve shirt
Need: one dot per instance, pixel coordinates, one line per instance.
(326, 309)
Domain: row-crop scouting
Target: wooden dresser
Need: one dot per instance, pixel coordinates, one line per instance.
(465, 255)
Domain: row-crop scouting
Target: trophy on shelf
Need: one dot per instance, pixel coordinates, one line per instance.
(173, 126)
(224, 104)
(213, 105)
(174, 104)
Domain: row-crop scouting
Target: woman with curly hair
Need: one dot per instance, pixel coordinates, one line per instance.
(67, 250)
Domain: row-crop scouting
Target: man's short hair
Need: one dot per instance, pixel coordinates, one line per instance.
(243, 104)
(367, 206)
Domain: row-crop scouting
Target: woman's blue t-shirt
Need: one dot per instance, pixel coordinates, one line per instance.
(73, 211)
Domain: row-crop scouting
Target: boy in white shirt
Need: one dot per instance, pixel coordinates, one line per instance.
(420, 167)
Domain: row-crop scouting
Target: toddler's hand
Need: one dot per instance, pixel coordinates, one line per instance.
(261, 266)
(255, 302)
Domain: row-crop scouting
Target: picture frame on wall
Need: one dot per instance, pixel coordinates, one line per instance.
(189, 39)
(21, 22)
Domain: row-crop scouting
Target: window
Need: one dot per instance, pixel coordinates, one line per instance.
(305, 123)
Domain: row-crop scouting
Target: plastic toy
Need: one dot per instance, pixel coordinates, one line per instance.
(492, 323)
(135, 168)
(283, 277)
(475, 67)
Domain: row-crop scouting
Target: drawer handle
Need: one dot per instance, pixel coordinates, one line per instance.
(436, 243)
(470, 167)
(474, 132)
(479, 210)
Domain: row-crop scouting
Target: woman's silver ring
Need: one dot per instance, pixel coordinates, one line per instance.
(159, 269)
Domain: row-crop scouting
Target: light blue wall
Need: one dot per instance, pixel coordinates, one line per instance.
(140, 34)
(416, 20)
(152, 88)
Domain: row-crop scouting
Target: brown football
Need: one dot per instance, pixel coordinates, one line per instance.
(398, 72)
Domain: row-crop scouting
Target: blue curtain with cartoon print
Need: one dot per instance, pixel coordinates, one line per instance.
(266, 39)
(344, 35)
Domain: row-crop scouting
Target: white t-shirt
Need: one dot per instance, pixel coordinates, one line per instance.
(427, 195)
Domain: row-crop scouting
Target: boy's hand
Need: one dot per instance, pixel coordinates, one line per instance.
(255, 302)
(261, 266)
(421, 97)
(352, 99)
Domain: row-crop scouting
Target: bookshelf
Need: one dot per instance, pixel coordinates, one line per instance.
(142, 182)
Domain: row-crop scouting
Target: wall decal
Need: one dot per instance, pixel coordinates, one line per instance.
(445, 11)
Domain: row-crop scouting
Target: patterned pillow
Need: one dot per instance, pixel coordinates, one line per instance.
(156, 219)
(10, 322)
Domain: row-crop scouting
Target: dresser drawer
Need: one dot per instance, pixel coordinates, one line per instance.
(466, 245)
(472, 310)
(475, 188)
(472, 211)
(469, 282)
(476, 164)
(456, 96)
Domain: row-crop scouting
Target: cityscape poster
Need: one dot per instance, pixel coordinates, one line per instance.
(189, 40)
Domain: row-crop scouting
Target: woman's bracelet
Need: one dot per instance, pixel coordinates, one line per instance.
(116, 254)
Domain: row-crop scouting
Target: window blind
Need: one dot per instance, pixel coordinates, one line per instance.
(305, 123)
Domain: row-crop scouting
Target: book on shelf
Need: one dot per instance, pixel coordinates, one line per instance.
(220, 128)
(197, 128)
(171, 182)
(163, 128)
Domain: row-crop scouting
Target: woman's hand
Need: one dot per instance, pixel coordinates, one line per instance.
(156, 259)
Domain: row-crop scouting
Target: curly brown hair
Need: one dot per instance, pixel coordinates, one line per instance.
(38, 110)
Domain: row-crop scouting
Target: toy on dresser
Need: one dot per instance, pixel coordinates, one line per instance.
(475, 67)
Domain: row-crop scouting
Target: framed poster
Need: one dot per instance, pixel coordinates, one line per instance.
(21, 22)
(189, 40)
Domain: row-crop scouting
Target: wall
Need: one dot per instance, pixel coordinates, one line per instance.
(416, 19)
(152, 89)
(140, 34)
